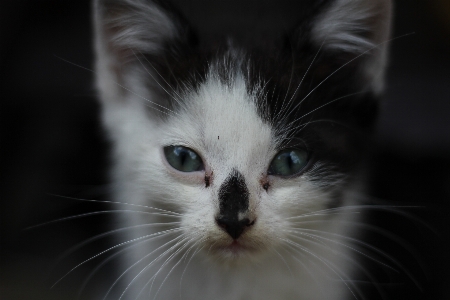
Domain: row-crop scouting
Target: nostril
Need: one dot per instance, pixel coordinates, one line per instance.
(233, 226)
(222, 223)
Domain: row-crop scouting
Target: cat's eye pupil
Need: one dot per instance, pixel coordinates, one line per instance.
(288, 162)
(183, 159)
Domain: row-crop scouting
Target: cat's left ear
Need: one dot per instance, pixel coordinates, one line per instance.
(357, 27)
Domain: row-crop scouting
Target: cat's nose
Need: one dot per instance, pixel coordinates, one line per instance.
(234, 227)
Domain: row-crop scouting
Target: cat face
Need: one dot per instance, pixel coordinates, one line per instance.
(241, 141)
(233, 204)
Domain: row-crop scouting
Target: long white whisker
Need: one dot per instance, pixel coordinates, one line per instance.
(323, 105)
(136, 263)
(287, 132)
(189, 261)
(115, 202)
(389, 208)
(114, 211)
(386, 234)
(126, 248)
(147, 266)
(289, 86)
(174, 266)
(349, 258)
(342, 66)
(99, 236)
(162, 77)
(317, 241)
(298, 87)
(323, 260)
(170, 258)
(284, 261)
(301, 231)
(157, 82)
(112, 248)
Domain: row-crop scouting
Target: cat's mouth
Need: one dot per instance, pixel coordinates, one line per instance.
(235, 249)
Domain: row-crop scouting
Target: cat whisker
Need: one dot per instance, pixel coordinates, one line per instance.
(150, 264)
(210, 247)
(115, 211)
(327, 263)
(289, 131)
(289, 85)
(262, 93)
(189, 261)
(284, 261)
(304, 266)
(353, 261)
(375, 249)
(99, 236)
(144, 270)
(301, 81)
(174, 266)
(114, 247)
(116, 202)
(136, 263)
(318, 237)
(344, 65)
(157, 82)
(345, 209)
(396, 209)
(361, 267)
(105, 261)
(323, 105)
(162, 77)
(395, 238)
(171, 73)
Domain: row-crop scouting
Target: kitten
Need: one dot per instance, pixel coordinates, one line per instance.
(243, 160)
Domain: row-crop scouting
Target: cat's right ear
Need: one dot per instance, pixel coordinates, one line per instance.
(125, 29)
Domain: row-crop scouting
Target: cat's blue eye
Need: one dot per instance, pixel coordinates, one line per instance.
(288, 162)
(183, 159)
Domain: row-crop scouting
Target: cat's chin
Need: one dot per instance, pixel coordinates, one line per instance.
(235, 252)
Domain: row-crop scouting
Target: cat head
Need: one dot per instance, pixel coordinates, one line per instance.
(241, 139)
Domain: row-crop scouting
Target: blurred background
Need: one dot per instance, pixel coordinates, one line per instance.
(51, 143)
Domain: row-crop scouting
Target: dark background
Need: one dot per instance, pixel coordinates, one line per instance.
(51, 142)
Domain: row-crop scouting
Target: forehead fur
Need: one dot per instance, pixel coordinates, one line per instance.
(220, 119)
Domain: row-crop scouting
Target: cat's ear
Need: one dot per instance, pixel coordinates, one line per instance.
(357, 27)
(127, 28)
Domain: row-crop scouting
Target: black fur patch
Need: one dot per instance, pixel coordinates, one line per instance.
(307, 96)
(233, 196)
(233, 199)
(184, 62)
